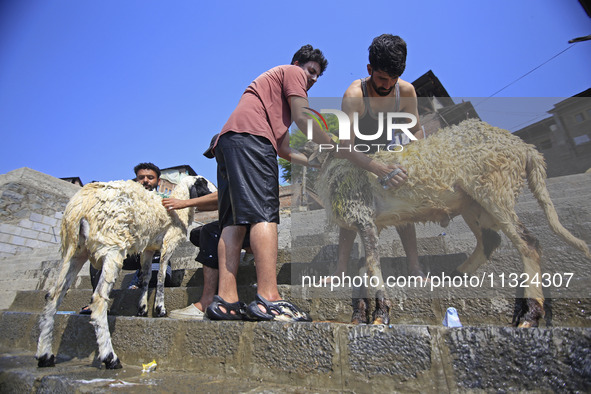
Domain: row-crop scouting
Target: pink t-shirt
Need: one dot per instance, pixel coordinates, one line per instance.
(264, 108)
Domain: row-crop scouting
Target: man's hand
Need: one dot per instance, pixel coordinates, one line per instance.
(391, 176)
(173, 203)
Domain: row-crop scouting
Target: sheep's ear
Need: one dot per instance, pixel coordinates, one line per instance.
(193, 191)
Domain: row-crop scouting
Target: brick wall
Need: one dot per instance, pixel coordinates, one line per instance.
(31, 208)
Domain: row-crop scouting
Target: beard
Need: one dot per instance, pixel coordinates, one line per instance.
(380, 91)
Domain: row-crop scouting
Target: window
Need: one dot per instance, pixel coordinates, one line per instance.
(582, 139)
(579, 117)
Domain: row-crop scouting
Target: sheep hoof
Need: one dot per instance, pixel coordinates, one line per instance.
(360, 311)
(527, 313)
(142, 311)
(45, 361)
(111, 362)
(381, 315)
(160, 311)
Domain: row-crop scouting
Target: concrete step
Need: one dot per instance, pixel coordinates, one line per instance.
(565, 186)
(19, 374)
(326, 304)
(7, 298)
(317, 356)
(40, 254)
(42, 274)
(315, 243)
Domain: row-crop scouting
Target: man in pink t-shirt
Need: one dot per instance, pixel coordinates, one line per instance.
(248, 183)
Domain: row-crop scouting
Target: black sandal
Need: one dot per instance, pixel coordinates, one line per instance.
(275, 310)
(214, 312)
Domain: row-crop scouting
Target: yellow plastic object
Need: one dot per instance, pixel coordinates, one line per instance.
(149, 367)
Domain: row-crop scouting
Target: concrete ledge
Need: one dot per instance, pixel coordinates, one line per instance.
(335, 356)
(497, 311)
(19, 374)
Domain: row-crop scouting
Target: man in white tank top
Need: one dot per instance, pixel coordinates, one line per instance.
(382, 91)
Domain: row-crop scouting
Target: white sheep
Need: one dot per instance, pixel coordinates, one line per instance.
(472, 169)
(103, 223)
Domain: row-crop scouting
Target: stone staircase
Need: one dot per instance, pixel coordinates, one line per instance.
(414, 353)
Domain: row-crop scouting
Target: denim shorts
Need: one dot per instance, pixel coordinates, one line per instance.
(248, 180)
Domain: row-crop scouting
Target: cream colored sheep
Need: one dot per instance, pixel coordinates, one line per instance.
(474, 170)
(103, 223)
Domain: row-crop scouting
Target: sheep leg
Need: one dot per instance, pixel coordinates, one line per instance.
(159, 308)
(369, 236)
(146, 267)
(487, 239)
(54, 297)
(529, 250)
(360, 311)
(112, 264)
(530, 253)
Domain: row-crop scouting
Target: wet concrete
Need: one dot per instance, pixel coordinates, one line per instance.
(315, 356)
(414, 354)
(19, 374)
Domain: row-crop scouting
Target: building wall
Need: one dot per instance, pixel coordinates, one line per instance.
(31, 208)
(563, 138)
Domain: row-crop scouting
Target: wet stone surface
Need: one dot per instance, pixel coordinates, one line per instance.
(380, 350)
(309, 347)
(19, 374)
(532, 359)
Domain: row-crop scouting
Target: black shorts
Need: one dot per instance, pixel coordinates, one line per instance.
(206, 238)
(248, 180)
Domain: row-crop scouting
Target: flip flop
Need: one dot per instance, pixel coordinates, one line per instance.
(275, 310)
(214, 312)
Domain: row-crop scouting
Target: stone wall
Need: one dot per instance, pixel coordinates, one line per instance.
(32, 205)
(31, 208)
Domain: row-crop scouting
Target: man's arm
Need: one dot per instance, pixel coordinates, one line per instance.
(298, 108)
(353, 103)
(293, 155)
(208, 202)
(286, 152)
(298, 105)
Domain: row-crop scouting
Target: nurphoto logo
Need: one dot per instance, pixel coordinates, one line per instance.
(344, 125)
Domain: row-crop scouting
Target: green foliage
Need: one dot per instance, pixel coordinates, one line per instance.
(297, 140)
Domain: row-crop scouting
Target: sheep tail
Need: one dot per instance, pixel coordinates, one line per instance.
(536, 179)
(74, 232)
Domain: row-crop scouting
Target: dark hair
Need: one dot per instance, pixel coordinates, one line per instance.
(307, 53)
(147, 166)
(387, 53)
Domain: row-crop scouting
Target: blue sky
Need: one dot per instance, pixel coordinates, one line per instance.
(91, 88)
